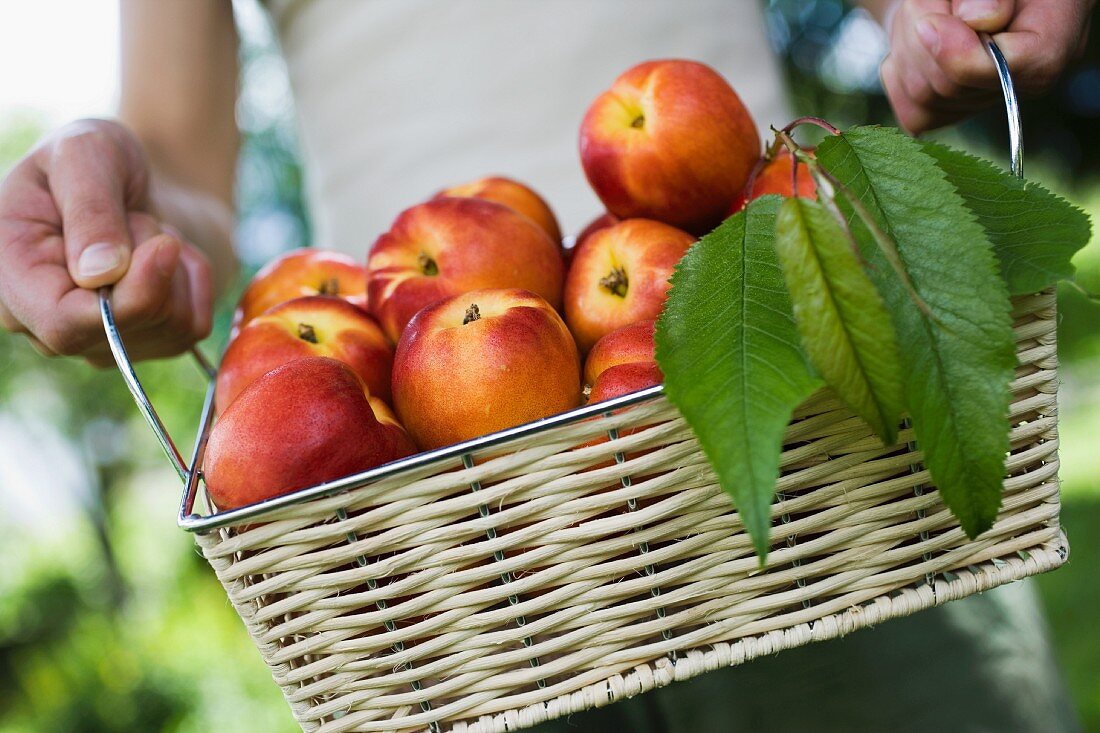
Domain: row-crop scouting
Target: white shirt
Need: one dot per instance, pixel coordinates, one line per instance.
(397, 99)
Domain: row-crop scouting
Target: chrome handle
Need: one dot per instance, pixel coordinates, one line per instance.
(1012, 107)
(126, 368)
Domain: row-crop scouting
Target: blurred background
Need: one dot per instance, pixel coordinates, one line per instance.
(109, 618)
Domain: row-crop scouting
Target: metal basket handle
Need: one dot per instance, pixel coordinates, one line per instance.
(126, 367)
(1012, 107)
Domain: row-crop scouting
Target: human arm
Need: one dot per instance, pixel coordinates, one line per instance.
(146, 201)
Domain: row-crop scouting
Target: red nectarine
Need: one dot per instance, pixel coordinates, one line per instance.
(304, 423)
(620, 276)
(623, 379)
(625, 345)
(312, 326)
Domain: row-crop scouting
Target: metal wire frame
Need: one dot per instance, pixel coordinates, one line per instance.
(191, 472)
(192, 522)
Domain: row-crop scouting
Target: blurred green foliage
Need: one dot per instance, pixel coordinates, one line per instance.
(110, 621)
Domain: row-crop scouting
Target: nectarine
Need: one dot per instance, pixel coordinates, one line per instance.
(312, 326)
(298, 273)
(671, 141)
(623, 379)
(513, 194)
(480, 362)
(779, 175)
(620, 276)
(450, 246)
(625, 345)
(304, 423)
(603, 221)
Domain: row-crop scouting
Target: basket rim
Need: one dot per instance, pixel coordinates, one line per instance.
(190, 521)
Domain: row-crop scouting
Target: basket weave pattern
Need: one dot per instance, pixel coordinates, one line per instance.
(600, 559)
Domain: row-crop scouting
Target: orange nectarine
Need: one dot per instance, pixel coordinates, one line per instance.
(304, 423)
(298, 273)
(480, 362)
(779, 175)
(513, 194)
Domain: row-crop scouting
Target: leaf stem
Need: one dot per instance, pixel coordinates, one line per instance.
(750, 184)
(825, 184)
(1094, 297)
(829, 185)
(808, 120)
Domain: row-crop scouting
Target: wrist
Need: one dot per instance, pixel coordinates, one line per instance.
(200, 218)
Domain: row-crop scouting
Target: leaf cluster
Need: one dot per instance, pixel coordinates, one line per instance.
(893, 288)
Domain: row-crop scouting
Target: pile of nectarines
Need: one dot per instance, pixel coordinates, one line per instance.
(470, 316)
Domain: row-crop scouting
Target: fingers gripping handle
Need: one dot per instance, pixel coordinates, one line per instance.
(126, 367)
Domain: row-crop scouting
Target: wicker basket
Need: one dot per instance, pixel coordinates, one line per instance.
(590, 557)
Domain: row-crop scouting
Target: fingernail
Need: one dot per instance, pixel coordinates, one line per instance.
(929, 36)
(98, 259)
(166, 257)
(975, 10)
(169, 229)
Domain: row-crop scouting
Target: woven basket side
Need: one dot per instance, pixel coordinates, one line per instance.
(664, 671)
(600, 559)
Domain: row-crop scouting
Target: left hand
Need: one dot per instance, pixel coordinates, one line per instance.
(938, 71)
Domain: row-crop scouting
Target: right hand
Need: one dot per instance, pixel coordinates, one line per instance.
(939, 71)
(75, 215)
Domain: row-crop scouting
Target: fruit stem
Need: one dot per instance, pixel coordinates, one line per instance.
(638, 122)
(783, 139)
(616, 282)
(427, 265)
(306, 333)
(329, 287)
(473, 313)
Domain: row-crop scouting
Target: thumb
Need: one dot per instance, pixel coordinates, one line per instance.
(90, 177)
(990, 16)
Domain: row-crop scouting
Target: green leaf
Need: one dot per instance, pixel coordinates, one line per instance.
(959, 360)
(728, 348)
(845, 329)
(1034, 232)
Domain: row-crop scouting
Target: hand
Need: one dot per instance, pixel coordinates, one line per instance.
(74, 215)
(938, 71)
